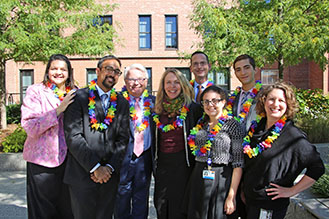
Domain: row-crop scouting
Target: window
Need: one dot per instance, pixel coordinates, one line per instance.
(171, 31)
(149, 81)
(269, 76)
(186, 72)
(91, 74)
(144, 32)
(26, 78)
(101, 20)
(221, 78)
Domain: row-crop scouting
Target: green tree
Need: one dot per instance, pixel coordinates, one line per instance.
(282, 31)
(34, 29)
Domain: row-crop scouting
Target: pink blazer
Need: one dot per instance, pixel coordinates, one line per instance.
(45, 144)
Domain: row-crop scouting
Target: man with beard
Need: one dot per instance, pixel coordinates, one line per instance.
(96, 131)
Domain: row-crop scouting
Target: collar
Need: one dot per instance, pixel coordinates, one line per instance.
(101, 92)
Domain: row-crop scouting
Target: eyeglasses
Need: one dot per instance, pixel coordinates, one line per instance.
(195, 64)
(213, 102)
(110, 70)
(134, 80)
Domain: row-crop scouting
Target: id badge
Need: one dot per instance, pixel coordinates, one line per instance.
(208, 174)
(265, 214)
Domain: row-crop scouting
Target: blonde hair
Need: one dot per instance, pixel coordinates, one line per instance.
(186, 89)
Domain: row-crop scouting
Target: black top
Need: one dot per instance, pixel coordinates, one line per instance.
(281, 164)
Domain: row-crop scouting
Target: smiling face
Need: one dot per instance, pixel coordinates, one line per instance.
(172, 86)
(107, 79)
(245, 72)
(58, 73)
(136, 82)
(200, 67)
(214, 111)
(275, 105)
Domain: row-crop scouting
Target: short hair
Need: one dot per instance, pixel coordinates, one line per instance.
(245, 56)
(70, 80)
(199, 52)
(216, 89)
(292, 104)
(108, 57)
(186, 89)
(135, 66)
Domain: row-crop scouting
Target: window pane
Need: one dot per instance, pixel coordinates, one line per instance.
(149, 82)
(269, 76)
(91, 75)
(145, 32)
(171, 32)
(26, 81)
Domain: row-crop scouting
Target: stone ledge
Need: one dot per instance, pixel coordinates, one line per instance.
(12, 162)
(319, 207)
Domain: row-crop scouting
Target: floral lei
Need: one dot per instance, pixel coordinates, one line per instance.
(202, 151)
(246, 105)
(58, 93)
(110, 111)
(210, 82)
(267, 143)
(177, 123)
(141, 126)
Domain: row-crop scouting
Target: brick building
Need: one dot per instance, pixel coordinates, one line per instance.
(153, 33)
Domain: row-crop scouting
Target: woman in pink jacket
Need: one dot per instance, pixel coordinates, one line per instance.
(45, 148)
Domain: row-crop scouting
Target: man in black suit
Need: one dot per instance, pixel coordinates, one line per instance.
(96, 130)
(135, 176)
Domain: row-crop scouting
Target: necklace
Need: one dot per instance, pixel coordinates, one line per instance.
(58, 93)
(246, 105)
(140, 126)
(110, 111)
(210, 82)
(202, 151)
(177, 123)
(267, 143)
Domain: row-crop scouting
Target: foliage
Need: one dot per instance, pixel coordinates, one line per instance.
(321, 186)
(35, 29)
(284, 31)
(13, 113)
(15, 141)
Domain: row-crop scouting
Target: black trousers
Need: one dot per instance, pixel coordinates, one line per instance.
(47, 195)
(254, 212)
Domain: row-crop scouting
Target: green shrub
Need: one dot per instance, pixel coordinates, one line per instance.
(13, 113)
(15, 141)
(321, 186)
(315, 128)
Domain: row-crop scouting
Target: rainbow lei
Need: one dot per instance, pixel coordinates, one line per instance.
(58, 93)
(246, 106)
(267, 143)
(177, 123)
(140, 126)
(210, 82)
(202, 151)
(110, 111)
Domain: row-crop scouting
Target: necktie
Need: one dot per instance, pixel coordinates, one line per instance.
(198, 96)
(243, 99)
(138, 136)
(104, 102)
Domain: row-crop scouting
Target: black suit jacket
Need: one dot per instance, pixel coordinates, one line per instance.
(86, 146)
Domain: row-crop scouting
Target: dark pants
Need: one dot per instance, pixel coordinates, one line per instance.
(133, 191)
(94, 202)
(253, 212)
(47, 195)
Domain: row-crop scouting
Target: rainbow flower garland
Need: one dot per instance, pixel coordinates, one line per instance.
(267, 143)
(177, 123)
(110, 111)
(210, 82)
(58, 93)
(141, 126)
(202, 151)
(246, 105)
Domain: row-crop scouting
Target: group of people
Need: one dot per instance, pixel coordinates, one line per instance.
(91, 152)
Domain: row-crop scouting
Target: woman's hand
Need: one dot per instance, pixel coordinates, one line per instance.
(68, 99)
(230, 205)
(279, 191)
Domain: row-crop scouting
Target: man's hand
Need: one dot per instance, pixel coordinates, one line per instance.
(101, 175)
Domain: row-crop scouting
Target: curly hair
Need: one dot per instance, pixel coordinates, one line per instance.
(292, 104)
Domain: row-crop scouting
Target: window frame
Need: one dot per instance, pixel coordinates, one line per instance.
(21, 87)
(265, 78)
(171, 33)
(146, 33)
(87, 71)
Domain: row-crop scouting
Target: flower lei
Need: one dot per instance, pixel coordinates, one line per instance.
(202, 151)
(110, 111)
(58, 93)
(177, 123)
(267, 143)
(140, 126)
(210, 82)
(246, 105)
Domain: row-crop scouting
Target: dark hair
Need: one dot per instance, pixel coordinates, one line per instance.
(292, 104)
(100, 62)
(216, 89)
(70, 81)
(199, 52)
(245, 56)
